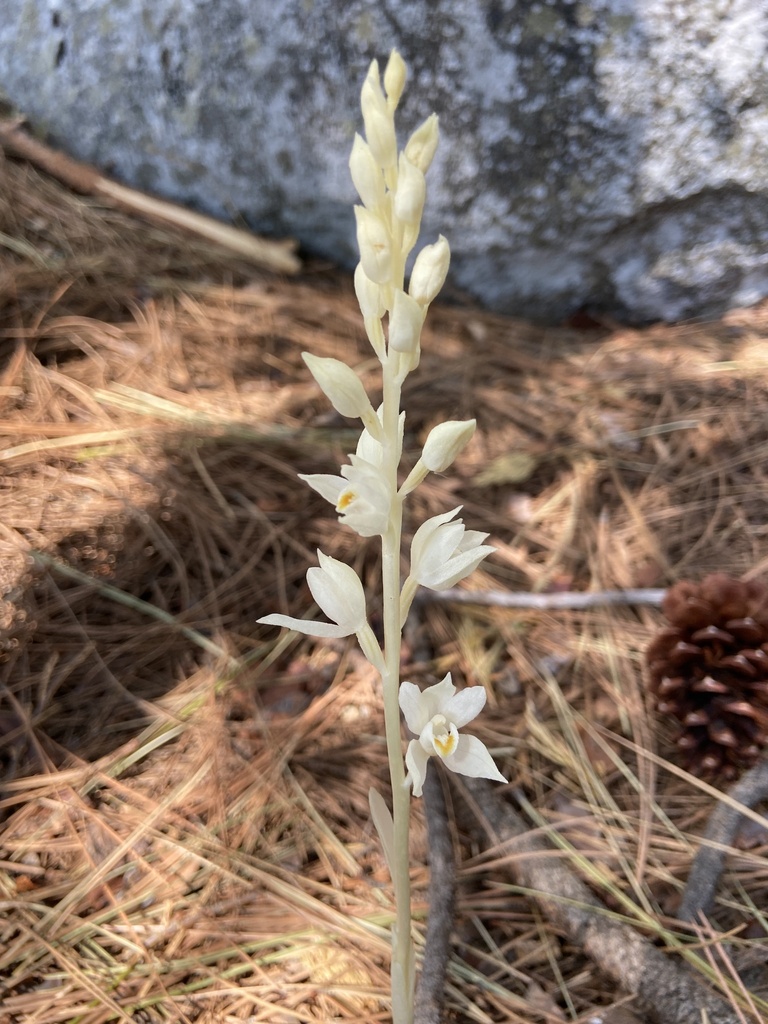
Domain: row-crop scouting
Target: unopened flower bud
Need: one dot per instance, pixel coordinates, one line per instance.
(367, 176)
(374, 244)
(421, 146)
(411, 192)
(444, 443)
(405, 323)
(368, 295)
(429, 271)
(340, 384)
(379, 123)
(394, 79)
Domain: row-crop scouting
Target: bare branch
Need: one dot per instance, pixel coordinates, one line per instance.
(442, 900)
(546, 602)
(720, 833)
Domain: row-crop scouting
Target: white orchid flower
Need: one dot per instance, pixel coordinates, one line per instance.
(442, 553)
(360, 495)
(363, 494)
(339, 594)
(435, 715)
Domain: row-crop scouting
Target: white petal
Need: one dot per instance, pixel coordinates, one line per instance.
(465, 705)
(472, 758)
(337, 589)
(472, 539)
(324, 629)
(371, 450)
(437, 696)
(455, 569)
(366, 522)
(416, 763)
(330, 487)
(375, 245)
(413, 707)
(425, 532)
(442, 544)
(340, 384)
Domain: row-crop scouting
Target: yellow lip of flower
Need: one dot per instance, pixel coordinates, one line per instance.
(441, 735)
(445, 745)
(345, 500)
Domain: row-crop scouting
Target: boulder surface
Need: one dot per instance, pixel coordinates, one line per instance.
(607, 154)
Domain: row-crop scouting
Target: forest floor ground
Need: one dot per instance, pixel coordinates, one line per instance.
(185, 828)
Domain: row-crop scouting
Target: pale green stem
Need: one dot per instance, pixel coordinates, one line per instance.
(402, 955)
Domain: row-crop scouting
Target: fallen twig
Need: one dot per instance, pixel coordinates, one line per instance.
(546, 602)
(442, 899)
(430, 991)
(278, 256)
(669, 992)
(721, 830)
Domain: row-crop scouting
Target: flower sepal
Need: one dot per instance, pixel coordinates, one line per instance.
(338, 593)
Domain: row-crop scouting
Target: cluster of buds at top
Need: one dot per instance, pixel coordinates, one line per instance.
(392, 188)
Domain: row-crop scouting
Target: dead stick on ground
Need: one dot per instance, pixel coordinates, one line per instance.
(721, 830)
(442, 899)
(430, 992)
(277, 256)
(666, 989)
(546, 602)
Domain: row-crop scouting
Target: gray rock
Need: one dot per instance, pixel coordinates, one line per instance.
(612, 153)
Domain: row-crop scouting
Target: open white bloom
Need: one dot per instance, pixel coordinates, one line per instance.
(360, 495)
(435, 715)
(338, 593)
(444, 552)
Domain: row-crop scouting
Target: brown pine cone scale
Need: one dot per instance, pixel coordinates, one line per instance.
(709, 670)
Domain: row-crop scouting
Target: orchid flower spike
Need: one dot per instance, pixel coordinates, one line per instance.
(435, 715)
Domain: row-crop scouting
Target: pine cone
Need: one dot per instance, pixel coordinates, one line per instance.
(709, 669)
